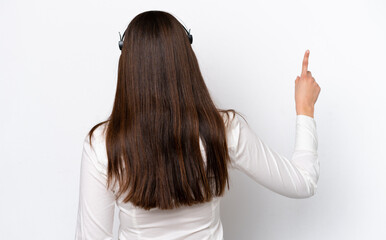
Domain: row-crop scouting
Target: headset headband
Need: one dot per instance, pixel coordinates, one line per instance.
(120, 43)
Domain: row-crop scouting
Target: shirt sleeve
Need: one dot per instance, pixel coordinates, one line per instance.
(96, 204)
(296, 177)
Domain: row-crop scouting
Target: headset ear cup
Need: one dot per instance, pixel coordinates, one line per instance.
(120, 42)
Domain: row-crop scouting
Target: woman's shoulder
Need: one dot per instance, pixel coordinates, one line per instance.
(97, 144)
(233, 121)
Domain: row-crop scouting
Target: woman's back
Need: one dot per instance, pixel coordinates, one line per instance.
(200, 221)
(295, 178)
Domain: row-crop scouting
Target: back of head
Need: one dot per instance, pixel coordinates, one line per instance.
(162, 108)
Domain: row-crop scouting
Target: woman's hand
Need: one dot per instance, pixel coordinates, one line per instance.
(306, 90)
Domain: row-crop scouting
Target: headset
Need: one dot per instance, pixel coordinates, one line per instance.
(120, 43)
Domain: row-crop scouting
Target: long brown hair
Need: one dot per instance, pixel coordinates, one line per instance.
(161, 109)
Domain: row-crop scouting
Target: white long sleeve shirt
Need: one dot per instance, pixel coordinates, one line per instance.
(295, 178)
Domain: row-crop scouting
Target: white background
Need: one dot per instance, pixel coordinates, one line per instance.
(58, 62)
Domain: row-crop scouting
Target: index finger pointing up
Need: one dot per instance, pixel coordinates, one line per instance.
(305, 63)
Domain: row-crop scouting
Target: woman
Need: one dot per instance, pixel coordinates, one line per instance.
(163, 154)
